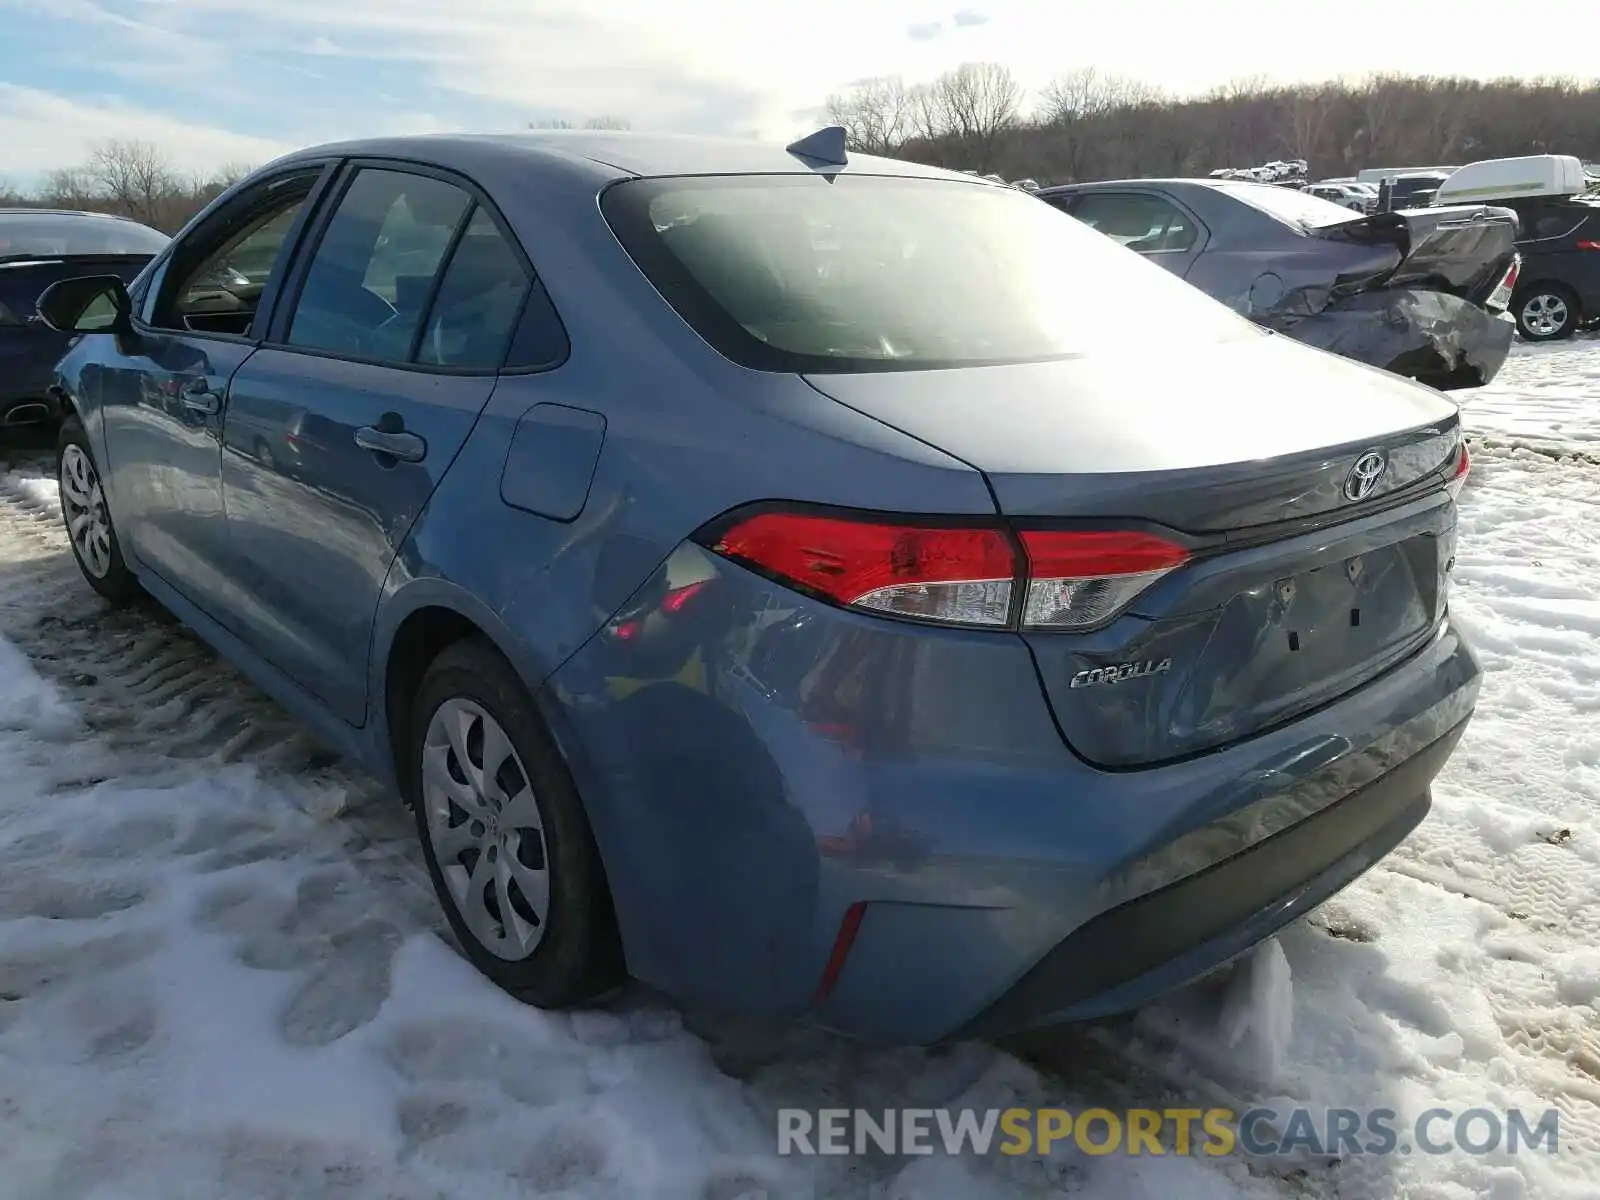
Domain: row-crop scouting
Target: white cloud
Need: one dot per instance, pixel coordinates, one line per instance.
(40, 131)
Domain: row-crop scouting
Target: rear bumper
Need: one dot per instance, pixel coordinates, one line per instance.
(1186, 929)
(1436, 338)
(758, 771)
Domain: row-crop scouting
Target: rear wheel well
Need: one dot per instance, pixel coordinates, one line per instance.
(421, 638)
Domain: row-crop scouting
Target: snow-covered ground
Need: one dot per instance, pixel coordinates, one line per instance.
(1547, 395)
(221, 973)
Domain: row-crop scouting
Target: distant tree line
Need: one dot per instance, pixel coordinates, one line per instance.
(1083, 125)
(131, 179)
(1090, 125)
(137, 179)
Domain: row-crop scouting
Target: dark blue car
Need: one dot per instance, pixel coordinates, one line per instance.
(39, 247)
(789, 580)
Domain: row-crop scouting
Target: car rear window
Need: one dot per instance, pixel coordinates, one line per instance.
(875, 273)
(1298, 209)
(46, 234)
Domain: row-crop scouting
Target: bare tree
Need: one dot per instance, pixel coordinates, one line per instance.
(135, 176)
(877, 115)
(1087, 92)
(69, 187)
(1309, 115)
(976, 105)
(1071, 103)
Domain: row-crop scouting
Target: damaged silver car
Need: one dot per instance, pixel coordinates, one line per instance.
(1422, 292)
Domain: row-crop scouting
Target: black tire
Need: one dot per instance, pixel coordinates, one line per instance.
(1541, 297)
(116, 583)
(579, 955)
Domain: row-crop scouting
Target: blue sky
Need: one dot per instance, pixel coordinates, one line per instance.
(217, 81)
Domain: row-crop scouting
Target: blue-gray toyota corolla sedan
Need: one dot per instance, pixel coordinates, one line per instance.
(786, 577)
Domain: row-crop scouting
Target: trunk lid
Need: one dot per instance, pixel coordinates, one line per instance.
(1298, 590)
(1464, 250)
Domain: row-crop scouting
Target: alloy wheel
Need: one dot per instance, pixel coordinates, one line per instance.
(88, 522)
(486, 829)
(1545, 314)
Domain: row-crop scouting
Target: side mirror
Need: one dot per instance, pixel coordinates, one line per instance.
(90, 304)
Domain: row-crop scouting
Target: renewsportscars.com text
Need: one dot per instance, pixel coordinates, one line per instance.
(1212, 1132)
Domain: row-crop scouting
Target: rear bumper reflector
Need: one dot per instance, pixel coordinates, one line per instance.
(848, 928)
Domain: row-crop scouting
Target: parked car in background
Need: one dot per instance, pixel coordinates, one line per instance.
(38, 247)
(764, 575)
(1347, 195)
(1409, 191)
(1558, 289)
(1419, 293)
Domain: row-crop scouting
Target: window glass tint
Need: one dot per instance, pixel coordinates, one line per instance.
(219, 291)
(42, 234)
(1139, 222)
(374, 268)
(1287, 205)
(804, 273)
(1546, 220)
(478, 301)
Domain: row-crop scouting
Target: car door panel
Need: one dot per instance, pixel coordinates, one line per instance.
(161, 403)
(314, 517)
(337, 435)
(164, 396)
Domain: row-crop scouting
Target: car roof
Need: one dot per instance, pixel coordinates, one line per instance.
(27, 211)
(612, 152)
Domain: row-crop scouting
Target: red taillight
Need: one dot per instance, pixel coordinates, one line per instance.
(959, 576)
(1458, 477)
(966, 575)
(1079, 579)
(1588, 244)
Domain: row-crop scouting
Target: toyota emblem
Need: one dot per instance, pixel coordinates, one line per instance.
(1364, 476)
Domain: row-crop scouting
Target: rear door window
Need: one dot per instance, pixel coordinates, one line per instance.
(1546, 220)
(1138, 220)
(479, 301)
(371, 280)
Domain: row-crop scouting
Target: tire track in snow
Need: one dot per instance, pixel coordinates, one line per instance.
(1514, 838)
(161, 705)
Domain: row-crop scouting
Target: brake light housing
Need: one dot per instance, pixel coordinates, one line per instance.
(1458, 474)
(1500, 299)
(971, 573)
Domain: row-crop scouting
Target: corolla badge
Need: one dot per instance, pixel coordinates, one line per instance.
(1364, 475)
(1120, 673)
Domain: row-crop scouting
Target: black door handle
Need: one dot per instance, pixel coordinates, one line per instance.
(397, 443)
